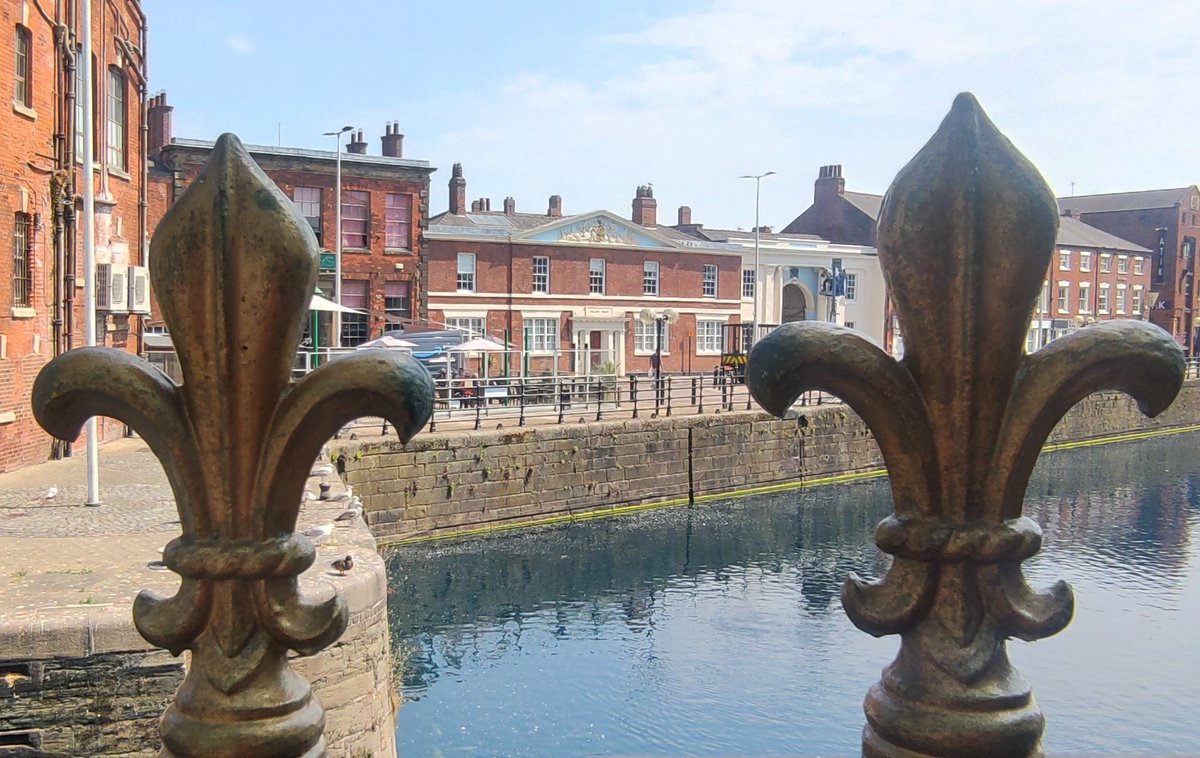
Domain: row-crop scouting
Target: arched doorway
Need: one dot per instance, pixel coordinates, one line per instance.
(795, 307)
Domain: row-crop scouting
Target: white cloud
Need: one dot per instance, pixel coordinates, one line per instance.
(240, 44)
(693, 100)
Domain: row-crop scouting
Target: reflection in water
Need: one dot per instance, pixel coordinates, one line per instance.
(718, 629)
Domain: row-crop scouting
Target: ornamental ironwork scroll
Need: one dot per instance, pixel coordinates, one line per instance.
(965, 236)
(234, 268)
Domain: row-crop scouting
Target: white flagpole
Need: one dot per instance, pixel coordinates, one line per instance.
(89, 235)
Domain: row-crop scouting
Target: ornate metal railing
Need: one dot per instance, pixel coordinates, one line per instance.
(233, 268)
(965, 235)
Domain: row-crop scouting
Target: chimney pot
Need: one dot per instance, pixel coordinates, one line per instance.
(458, 190)
(829, 183)
(510, 206)
(645, 208)
(685, 215)
(158, 125)
(475, 206)
(392, 140)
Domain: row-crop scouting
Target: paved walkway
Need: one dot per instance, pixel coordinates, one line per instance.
(72, 568)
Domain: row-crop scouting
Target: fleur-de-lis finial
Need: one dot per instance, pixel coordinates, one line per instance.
(234, 267)
(966, 232)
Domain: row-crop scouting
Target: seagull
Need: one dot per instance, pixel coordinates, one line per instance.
(342, 565)
(351, 513)
(50, 493)
(319, 532)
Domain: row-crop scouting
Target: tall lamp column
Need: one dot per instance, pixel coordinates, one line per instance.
(757, 269)
(337, 233)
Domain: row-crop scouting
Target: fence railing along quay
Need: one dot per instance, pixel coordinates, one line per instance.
(960, 420)
(517, 402)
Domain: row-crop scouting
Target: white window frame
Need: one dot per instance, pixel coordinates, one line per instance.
(1064, 260)
(541, 278)
(1122, 298)
(1085, 296)
(1102, 299)
(1139, 265)
(748, 284)
(465, 281)
(709, 286)
(710, 337)
(644, 335)
(1137, 300)
(1085, 261)
(1105, 263)
(596, 276)
(1122, 264)
(1064, 297)
(543, 334)
(471, 326)
(851, 287)
(651, 283)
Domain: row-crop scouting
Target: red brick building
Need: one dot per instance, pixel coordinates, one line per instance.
(41, 310)
(572, 287)
(1166, 221)
(384, 205)
(1093, 276)
(845, 218)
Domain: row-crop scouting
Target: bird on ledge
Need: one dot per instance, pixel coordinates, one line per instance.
(342, 565)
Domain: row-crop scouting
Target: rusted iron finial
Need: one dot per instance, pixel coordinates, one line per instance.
(965, 236)
(234, 268)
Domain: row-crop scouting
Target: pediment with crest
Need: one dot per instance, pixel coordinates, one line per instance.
(598, 228)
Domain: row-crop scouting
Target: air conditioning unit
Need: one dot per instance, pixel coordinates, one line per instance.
(139, 290)
(112, 288)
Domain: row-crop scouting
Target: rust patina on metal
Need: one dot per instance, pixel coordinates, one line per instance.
(966, 233)
(233, 267)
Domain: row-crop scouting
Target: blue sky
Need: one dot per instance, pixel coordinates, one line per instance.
(590, 99)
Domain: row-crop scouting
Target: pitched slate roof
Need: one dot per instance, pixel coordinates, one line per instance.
(865, 202)
(724, 235)
(1125, 201)
(1074, 233)
(517, 222)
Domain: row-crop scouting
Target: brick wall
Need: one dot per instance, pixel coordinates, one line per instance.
(28, 160)
(456, 483)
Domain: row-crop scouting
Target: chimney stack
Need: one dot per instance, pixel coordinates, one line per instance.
(685, 216)
(510, 206)
(158, 118)
(554, 210)
(829, 184)
(458, 190)
(645, 208)
(485, 204)
(476, 206)
(357, 145)
(393, 140)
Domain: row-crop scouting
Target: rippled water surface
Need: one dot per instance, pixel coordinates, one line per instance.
(717, 630)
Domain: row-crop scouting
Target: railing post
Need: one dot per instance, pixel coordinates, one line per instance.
(599, 398)
(560, 395)
(699, 397)
(670, 382)
(961, 422)
(237, 441)
(521, 402)
(633, 393)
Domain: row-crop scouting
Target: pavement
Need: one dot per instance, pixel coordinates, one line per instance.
(69, 572)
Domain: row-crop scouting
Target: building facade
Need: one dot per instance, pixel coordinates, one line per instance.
(567, 293)
(384, 206)
(41, 184)
(804, 278)
(1167, 222)
(1093, 276)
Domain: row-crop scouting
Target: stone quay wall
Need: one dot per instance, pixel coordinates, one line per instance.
(472, 482)
(85, 683)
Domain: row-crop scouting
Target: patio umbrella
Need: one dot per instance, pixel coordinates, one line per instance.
(387, 342)
(322, 304)
(478, 345)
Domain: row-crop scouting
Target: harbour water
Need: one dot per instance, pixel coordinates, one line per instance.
(717, 629)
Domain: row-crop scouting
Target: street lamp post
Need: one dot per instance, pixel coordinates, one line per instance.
(647, 317)
(757, 284)
(337, 233)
